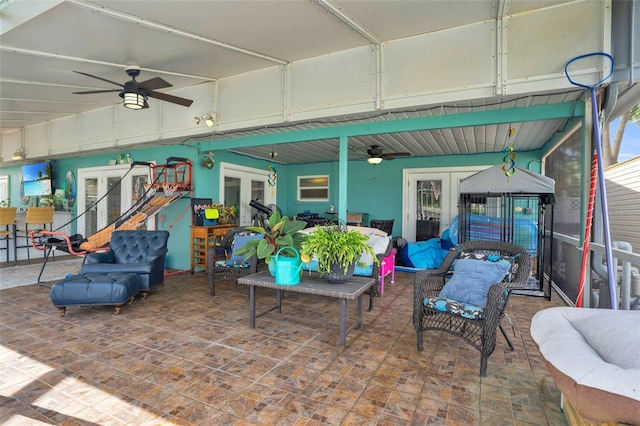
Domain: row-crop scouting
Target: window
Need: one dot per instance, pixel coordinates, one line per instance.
(313, 188)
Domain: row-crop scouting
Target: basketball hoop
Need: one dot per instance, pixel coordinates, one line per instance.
(169, 189)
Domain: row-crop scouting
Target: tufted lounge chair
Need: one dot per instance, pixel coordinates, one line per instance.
(141, 252)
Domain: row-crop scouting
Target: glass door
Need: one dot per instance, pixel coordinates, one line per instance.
(87, 199)
(104, 196)
(240, 186)
(431, 200)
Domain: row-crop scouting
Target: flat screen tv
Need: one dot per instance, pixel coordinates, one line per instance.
(36, 179)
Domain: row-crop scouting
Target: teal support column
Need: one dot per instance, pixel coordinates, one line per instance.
(342, 179)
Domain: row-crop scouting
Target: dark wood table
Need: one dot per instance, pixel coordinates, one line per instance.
(310, 284)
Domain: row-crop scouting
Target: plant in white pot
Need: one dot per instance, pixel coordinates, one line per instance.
(337, 251)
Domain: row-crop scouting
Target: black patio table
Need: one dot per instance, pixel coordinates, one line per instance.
(312, 283)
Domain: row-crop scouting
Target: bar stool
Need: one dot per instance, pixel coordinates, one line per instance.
(37, 218)
(8, 230)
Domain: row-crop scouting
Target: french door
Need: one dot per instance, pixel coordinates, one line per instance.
(239, 185)
(104, 196)
(430, 200)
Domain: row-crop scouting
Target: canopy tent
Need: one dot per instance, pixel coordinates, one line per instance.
(495, 181)
(516, 208)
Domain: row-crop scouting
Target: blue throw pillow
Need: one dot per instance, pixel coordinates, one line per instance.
(239, 241)
(471, 280)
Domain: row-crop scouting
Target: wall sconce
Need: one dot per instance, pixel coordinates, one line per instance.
(209, 119)
(18, 155)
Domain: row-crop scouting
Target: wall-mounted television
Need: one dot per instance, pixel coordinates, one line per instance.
(36, 179)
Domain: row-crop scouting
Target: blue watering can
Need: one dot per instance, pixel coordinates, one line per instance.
(288, 269)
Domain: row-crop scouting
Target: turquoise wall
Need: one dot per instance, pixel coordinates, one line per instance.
(377, 189)
(372, 189)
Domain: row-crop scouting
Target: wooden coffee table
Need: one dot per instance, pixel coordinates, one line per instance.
(310, 284)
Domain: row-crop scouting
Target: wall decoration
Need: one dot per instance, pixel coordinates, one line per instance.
(70, 190)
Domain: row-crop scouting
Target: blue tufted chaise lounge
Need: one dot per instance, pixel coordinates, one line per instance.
(138, 252)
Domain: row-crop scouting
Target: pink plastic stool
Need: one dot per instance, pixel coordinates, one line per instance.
(387, 266)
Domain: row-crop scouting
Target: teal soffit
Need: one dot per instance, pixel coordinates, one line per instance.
(466, 119)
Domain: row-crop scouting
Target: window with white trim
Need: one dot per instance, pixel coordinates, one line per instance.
(313, 188)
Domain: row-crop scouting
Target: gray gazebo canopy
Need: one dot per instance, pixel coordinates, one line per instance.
(494, 181)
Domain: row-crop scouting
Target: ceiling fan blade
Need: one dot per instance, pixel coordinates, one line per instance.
(392, 155)
(96, 91)
(99, 78)
(154, 84)
(170, 98)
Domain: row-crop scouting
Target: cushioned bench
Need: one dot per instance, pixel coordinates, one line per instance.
(113, 288)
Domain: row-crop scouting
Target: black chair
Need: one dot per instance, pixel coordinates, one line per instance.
(475, 324)
(134, 251)
(233, 267)
(383, 225)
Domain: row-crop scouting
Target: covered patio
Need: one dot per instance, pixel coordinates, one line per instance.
(184, 357)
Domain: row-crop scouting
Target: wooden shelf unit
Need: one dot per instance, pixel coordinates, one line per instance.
(203, 237)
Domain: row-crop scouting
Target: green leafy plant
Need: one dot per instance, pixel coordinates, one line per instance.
(334, 244)
(282, 232)
(50, 200)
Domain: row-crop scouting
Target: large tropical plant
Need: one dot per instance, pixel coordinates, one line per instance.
(282, 232)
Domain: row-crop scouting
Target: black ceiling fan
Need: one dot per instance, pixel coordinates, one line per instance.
(376, 155)
(135, 93)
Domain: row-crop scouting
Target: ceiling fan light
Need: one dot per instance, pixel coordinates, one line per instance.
(374, 160)
(133, 100)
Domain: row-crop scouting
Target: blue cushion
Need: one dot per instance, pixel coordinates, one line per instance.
(423, 254)
(510, 260)
(239, 241)
(465, 310)
(471, 280)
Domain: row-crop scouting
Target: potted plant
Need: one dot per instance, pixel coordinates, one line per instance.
(282, 232)
(50, 200)
(337, 251)
(226, 214)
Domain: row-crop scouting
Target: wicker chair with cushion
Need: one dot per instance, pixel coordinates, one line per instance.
(471, 303)
(383, 225)
(234, 266)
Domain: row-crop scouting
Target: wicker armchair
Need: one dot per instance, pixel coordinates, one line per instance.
(229, 270)
(479, 330)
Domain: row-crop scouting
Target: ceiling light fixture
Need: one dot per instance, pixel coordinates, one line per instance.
(133, 100)
(374, 160)
(209, 119)
(18, 155)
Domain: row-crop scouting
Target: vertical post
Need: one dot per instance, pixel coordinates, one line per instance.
(342, 179)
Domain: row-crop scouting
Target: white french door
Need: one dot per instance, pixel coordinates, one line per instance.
(239, 185)
(430, 200)
(119, 194)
